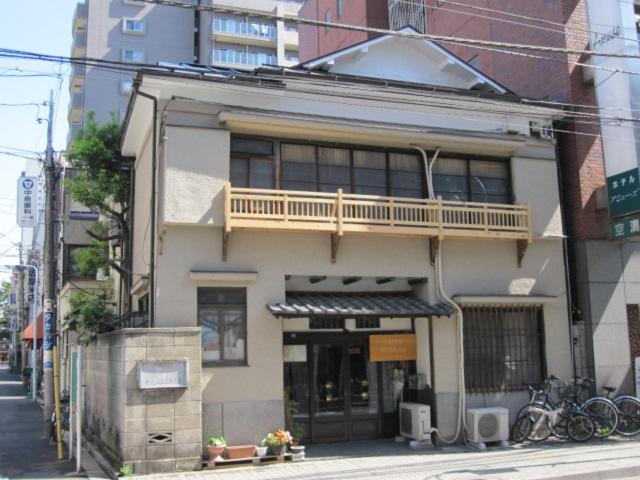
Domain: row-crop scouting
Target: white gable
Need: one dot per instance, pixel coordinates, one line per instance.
(407, 60)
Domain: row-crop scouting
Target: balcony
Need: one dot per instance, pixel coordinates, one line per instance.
(233, 57)
(340, 213)
(77, 76)
(250, 33)
(80, 17)
(75, 108)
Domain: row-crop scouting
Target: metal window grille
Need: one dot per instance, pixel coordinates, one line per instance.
(407, 13)
(367, 323)
(503, 348)
(326, 323)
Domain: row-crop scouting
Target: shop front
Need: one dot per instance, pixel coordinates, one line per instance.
(344, 376)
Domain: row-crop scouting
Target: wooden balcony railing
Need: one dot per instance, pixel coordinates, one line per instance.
(340, 213)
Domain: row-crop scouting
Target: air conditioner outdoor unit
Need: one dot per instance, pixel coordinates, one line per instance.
(488, 424)
(415, 421)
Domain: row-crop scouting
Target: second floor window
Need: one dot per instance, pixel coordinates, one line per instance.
(485, 181)
(132, 55)
(251, 163)
(130, 25)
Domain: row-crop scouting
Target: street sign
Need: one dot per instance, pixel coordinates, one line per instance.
(624, 193)
(625, 227)
(27, 209)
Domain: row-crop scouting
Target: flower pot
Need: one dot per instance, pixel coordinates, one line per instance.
(261, 451)
(215, 451)
(240, 451)
(296, 448)
(277, 450)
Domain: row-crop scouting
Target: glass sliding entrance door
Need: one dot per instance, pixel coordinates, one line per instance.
(345, 402)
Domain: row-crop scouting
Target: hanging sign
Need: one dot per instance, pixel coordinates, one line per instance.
(390, 348)
(27, 210)
(624, 193)
(49, 335)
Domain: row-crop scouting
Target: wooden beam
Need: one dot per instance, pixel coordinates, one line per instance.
(225, 244)
(381, 280)
(417, 281)
(350, 280)
(521, 246)
(317, 279)
(434, 246)
(335, 242)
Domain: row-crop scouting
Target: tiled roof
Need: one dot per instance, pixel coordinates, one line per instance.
(370, 304)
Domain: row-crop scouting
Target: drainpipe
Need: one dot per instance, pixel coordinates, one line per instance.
(152, 255)
(442, 296)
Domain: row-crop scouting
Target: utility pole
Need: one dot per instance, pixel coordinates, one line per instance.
(21, 320)
(49, 276)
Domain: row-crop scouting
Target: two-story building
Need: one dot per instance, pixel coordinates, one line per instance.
(376, 225)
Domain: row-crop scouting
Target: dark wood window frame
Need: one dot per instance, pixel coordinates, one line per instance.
(221, 327)
(249, 157)
(488, 338)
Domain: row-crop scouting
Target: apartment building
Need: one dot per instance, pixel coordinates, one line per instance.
(595, 156)
(135, 32)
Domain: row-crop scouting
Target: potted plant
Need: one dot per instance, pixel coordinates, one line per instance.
(216, 446)
(277, 442)
(261, 450)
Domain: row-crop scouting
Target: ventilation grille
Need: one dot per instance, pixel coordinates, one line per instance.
(159, 437)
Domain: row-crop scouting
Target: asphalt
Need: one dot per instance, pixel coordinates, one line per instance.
(24, 450)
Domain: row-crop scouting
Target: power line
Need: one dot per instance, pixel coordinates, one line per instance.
(402, 34)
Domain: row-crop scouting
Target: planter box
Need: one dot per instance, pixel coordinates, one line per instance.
(240, 451)
(215, 451)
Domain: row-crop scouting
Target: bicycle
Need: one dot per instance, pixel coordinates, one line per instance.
(539, 421)
(628, 409)
(65, 414)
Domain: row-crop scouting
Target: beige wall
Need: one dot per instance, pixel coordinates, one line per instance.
(141, 233)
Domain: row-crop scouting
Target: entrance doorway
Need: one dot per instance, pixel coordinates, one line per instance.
(334, 393)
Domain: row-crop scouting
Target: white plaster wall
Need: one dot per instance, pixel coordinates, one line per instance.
(142, 205)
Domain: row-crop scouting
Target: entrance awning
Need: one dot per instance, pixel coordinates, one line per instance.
(357, 305)
(27, 333)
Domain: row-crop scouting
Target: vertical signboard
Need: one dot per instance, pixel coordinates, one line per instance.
(27, 209)
(613, 30)
(49, 336)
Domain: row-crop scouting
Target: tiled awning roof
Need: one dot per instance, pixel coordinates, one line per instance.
(373, 304)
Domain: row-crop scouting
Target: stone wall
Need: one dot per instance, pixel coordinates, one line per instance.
(150, 430)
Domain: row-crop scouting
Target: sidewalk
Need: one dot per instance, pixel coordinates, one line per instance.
(610, 459)
(24, 452)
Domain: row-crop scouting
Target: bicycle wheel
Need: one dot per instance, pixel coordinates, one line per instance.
(580, 427)
(521, 428)
(540, 426)
(628, 416)
(604, 414)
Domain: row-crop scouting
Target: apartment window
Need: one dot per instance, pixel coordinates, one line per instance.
(126, 84)
(251, 163)
(367, 323)
(70, 263)
(222, 316)
(370, 172)
(326, 323)
(133, 26)
(327, 18)
(472, 180)
(503, 348)
(340, 7)
(132, 55)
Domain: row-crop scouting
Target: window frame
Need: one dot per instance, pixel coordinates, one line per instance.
(129, 31)
(327, 19)
(479, 352)
(244, 362)
(133, 50)
(340, 8)
(249, 156)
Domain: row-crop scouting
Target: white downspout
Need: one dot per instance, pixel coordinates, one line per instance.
(442, 296)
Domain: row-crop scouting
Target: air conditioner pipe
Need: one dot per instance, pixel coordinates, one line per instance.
(461, 426)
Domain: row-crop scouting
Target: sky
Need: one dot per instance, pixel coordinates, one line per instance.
(42, 26)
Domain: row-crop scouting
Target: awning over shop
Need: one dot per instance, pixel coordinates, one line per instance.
(370, 304)
(27, 333)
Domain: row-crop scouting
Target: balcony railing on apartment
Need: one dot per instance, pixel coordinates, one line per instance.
(340, 213)
(233, 57)
(134, 320)
(251, 29)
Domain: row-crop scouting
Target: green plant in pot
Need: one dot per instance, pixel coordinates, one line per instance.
(216, 446)
(277, 442)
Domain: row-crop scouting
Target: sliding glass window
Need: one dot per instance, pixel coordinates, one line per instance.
(251, 163)
(485, 181)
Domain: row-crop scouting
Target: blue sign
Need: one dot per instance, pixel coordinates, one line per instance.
(48, 365)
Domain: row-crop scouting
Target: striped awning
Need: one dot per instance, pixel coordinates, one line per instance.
(369, 304)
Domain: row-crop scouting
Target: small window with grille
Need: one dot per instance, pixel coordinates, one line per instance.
(367, 323)
(503, 347)
(326, 323)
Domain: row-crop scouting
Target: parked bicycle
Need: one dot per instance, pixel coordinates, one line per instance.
(64, 413)
(627, 406)
(541, 417)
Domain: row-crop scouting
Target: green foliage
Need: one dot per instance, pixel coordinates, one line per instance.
(126, 471)
(88, 260)
(90, 315)
(101, 175)
(217, 442)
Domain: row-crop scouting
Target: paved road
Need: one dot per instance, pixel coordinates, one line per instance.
(24, 452)
(611, 459)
